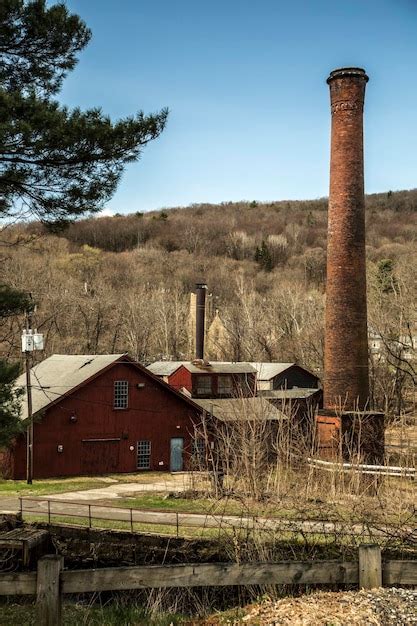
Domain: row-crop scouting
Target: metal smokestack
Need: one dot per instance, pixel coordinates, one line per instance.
(346, 376)
(200, 315)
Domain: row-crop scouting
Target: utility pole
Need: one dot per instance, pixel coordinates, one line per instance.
(31, 340)
(29, 431)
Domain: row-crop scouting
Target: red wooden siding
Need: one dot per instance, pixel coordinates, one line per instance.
(154, 414)
(180, 378)
(244, 384)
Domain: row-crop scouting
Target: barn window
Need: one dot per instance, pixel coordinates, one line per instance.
(203, 385)
(143, 455)
(225, 386)
(121, 394)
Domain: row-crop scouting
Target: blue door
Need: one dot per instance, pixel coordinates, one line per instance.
(177, 446)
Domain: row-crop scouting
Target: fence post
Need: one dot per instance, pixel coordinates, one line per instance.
(49, 512)
(89, 516)
(370, 567)
(131, 520)
(178, 525)
(48, 592)
(21, 507)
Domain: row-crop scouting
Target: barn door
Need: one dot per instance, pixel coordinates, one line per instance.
(328, 436)
(177, 446)
(100, 456)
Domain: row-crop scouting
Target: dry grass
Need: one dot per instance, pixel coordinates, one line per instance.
(401, 441)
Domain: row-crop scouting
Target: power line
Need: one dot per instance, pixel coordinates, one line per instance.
(40, 384)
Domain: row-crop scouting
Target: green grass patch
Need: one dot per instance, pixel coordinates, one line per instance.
(210, 506)
(49, 486)
(75, 614)
(158, 502)
(10, 488)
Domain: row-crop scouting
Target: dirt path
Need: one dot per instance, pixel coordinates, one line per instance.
(164, 484)
(175, 482)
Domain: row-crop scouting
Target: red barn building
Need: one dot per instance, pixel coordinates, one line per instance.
(101, 414)
(203, 379)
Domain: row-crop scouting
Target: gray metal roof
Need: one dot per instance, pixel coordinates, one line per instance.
(236, 409)
(295, 393)
(59, 374)
(266, 371)
(166, 368)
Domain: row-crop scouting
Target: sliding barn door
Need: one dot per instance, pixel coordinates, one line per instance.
(100, 456)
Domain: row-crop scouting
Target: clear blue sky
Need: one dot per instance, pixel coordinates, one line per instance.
(245, 85)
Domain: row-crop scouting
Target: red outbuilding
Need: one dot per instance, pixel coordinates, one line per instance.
(208, 379)
(98, 414)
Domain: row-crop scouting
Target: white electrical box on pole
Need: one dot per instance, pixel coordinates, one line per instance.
(31, 340)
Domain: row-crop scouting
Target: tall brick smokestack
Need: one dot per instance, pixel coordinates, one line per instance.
(200, 319)
(346, 376)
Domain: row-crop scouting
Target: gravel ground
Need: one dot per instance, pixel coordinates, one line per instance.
(379, 607)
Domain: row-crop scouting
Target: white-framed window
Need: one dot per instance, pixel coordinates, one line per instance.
(143, 455)
(121, 394)
(225, 385)
(203, 387)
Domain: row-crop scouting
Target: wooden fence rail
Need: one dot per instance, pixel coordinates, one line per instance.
(51, 581)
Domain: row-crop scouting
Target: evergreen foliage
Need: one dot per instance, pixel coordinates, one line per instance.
(10, 424)
(38, 45)
(386, 277)
(263, 257)
(11, 303)
(56, 164)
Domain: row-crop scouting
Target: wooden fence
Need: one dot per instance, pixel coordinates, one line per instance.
(51, 581)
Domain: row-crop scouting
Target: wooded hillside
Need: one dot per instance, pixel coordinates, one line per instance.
(122, 283)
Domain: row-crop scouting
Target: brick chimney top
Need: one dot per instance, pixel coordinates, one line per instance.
(344, 72)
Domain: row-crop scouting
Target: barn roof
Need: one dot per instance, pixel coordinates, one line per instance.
(166, 368)
(296, 393)
(266, 371)
(238, 409)
(60, 373)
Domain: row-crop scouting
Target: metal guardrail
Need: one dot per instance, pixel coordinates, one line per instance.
(135, 519)
(127, 514)
(377, 470)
